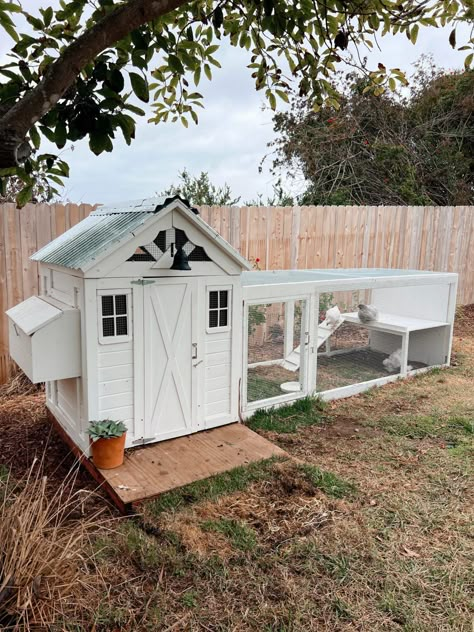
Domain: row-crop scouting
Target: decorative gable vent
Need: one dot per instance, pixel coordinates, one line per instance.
(173, 239)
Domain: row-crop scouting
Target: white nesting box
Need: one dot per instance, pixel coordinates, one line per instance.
(44, 337)
(126, 329)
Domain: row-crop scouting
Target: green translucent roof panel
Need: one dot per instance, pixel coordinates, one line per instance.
(277, 277)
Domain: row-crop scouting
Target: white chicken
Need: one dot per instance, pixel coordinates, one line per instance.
(367, 313)
(333, 316)
(394, 361)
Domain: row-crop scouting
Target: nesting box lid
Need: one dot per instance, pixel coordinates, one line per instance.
(33, 314)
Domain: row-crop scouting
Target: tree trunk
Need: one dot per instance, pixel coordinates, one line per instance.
(61, 74)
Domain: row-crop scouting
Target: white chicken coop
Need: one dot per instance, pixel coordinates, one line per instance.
(148, 316)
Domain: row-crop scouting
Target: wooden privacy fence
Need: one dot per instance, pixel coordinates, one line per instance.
(429, 238)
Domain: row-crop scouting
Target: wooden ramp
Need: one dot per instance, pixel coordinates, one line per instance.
(154, 469)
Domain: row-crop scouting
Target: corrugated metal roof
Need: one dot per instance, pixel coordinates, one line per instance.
(84, 241)
(143, 205)
(104, 227)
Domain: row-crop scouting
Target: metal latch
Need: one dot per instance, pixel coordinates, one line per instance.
(142, 282)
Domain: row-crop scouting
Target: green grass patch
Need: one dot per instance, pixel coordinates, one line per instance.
(211, 488)
(450, 428)
(189, 599)
(308, 411)
(241, 536)
(329, 483)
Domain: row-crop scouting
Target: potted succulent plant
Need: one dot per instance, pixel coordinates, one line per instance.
(107, 439)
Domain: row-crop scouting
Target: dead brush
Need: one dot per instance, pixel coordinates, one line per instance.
(19, 384)
(47, 570)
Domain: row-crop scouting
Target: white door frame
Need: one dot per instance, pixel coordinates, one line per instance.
(307, 355)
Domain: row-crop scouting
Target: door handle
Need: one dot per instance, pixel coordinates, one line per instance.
(195, 351)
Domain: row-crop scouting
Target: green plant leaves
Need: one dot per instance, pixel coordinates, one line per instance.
(99, 142)
(140, 86)
(24, 195)
(106, 429)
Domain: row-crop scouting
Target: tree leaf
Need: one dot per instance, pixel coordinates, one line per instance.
(60, 134)
(24, 195)
(35, 137)
(452, 38)
(175, 64)
(140, 86)
(134, 108)
(99, 142)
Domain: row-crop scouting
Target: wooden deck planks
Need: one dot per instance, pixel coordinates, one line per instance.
(152, 470)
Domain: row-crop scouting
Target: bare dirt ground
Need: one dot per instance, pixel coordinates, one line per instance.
(369, 529)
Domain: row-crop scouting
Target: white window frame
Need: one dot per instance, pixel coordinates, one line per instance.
(219, 288)
(109, 340)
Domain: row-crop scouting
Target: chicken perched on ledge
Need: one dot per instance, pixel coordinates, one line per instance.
(367, 313)
(333, 316)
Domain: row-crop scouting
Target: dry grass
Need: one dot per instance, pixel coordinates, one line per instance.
(46, 575)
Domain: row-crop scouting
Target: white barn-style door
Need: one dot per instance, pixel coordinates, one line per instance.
(170, 349)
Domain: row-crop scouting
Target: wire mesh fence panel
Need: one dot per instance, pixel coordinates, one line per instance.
(274, 359)
(345, 335)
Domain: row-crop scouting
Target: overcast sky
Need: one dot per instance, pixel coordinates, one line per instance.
(230, 140)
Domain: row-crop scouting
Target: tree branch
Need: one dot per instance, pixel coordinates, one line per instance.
(62, 73)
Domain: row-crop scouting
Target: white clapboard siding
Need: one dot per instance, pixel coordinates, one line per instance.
(115, 387)
(218, 359)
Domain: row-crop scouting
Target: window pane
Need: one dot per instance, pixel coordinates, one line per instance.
(122, 329)
(223, 318)
(121, 304)
(213, 318)
(213, 300)
(223, 298)
(107, 305)
(108, 328)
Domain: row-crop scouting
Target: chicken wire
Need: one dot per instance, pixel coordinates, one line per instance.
(274, 340)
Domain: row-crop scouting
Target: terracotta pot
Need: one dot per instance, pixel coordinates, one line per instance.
(108, 453)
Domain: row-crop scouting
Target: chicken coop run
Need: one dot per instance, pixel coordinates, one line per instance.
(148, 316)
(303, 335)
